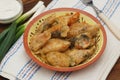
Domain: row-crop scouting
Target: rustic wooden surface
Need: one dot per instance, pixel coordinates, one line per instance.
(28, 4)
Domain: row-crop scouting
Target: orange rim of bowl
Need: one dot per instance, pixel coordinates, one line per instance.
(63, 69)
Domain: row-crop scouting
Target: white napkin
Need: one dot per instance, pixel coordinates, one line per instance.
(18, 65)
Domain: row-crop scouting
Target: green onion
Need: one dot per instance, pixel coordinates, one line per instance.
(11, 34)
(8, 41)
(20, 31)
(3, 34)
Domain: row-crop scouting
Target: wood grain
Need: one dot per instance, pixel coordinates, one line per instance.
(28, 4)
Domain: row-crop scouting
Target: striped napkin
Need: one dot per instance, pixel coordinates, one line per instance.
(18, 66)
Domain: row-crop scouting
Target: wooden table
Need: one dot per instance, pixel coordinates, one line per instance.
(28, 4)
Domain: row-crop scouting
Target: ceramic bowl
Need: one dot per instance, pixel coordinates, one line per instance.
(11, 12)
(32, 26)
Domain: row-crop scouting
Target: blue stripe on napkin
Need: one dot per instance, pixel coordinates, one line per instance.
(22, 69)
(110, 3)
(33, 73)
(60, 75)
(28, 70)
(118, 4)
(77, 3)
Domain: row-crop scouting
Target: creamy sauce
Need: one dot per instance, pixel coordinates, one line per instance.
(9, 9)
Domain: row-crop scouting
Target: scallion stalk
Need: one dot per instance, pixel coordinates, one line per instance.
(8, 41)
(3, 34)
(20, 31)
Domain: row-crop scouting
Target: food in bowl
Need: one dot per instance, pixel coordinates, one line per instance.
(65, 40)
